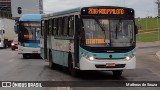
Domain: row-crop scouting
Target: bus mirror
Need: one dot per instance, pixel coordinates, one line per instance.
(136, 30)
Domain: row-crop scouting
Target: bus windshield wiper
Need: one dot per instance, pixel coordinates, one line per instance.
(118, 26)
(101, 26)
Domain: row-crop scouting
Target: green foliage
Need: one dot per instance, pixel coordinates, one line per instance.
(148, 37)
(148, 23)
(149, 31)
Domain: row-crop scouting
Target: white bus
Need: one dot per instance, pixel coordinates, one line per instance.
(90, 38)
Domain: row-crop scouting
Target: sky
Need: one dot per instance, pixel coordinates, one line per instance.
(143, 8)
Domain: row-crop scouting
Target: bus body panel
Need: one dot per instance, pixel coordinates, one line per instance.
(60, 51)
(103, 59)
(85, 64)
(106, 55)
(28, 50)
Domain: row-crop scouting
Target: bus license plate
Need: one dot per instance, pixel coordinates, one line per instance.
(110, 65)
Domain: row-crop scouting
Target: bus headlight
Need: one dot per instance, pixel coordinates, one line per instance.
(91, 58)
(128, 58)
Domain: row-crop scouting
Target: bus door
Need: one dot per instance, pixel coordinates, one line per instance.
(76, 40)
(45, 38)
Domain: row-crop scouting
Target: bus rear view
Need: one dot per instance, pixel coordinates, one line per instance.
(29, 34)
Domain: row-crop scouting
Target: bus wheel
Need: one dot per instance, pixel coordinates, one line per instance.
(72, 70)
(25, 56)
(51, 64)
(117, 73)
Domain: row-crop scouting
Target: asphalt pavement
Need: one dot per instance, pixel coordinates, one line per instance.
(14, 68)
(145, 45)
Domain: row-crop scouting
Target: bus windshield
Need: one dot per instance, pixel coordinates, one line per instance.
(108, 32)
(30, 31)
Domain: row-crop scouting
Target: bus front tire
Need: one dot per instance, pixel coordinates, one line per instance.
(117, 73)
(51, 64)
(72, 70)
(25, 56)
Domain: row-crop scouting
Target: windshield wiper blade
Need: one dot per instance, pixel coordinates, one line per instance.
(116, 31)
(101, 26)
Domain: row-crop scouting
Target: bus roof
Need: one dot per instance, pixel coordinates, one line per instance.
(30, 17)
(63, 12)
(76, 10)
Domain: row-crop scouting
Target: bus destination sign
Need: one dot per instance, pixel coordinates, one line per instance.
(104, 11)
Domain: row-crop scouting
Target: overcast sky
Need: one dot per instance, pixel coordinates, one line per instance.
(142, 8)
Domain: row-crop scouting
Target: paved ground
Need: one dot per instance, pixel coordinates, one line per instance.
(14, 68)
(150, 45)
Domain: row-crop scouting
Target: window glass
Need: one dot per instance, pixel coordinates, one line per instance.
(55, 28)
(50, 27)
(71, 25)
(65, 25)
(59, 26)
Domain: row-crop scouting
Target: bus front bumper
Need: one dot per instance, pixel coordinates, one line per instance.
(28, 50)
(121, 64)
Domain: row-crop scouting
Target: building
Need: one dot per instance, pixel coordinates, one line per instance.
(5, 8)
(5, 5)
(158, 3)
(20, 7)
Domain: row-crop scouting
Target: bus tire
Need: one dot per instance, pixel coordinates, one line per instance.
(51, 64)
(72, 70)
(117, 73)
(13, 48)
(25, 56)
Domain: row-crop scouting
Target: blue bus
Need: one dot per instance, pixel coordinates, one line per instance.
(29, 34)
(90, 38)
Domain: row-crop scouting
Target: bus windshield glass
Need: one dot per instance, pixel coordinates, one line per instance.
(30, 31)
(108, 32)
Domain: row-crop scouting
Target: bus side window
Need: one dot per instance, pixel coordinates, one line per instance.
(45, 27)
(50, 26)
(55, 27)
(42, 28)
(65, 25)
(71, 25)
(59, 26)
